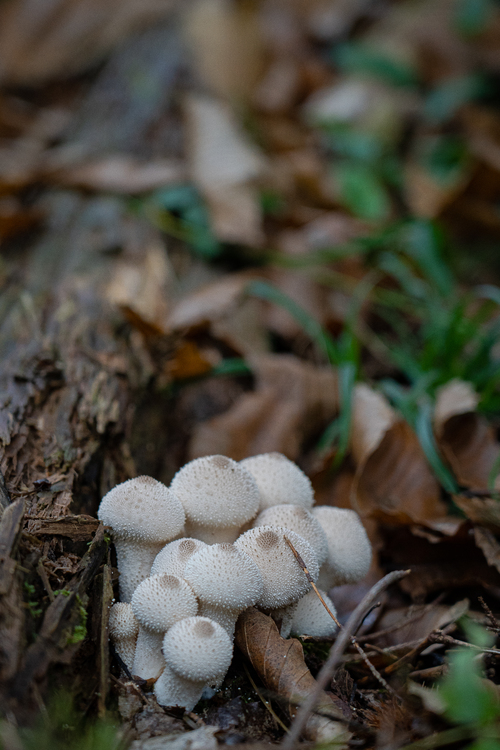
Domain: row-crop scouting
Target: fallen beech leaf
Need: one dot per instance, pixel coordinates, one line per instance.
(121, 173)
(393, 480)
(224, 166)
(465, 438)
(226, 44)
(291, 402)
(59, 38)
(232, 316)
(485, 511)
(280, 664)
(142, 287)
(488, 544)
(417, 621)
(188, 362)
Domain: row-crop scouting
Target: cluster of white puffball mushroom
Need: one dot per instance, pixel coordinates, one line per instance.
(194, 555)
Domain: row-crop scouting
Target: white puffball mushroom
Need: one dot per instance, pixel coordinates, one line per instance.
(297, 519)
(174, 556)
(283, 617)
(144, 515)
(218, 495)
(123, 630)
(225, 579)
(311, 618)
(349, 549)
(279, 480)
(283, 578)
(198, 652)
(158, 603)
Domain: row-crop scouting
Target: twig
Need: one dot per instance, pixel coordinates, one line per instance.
(336, 652)
(264, 700)
(493, 625)
(354, 642)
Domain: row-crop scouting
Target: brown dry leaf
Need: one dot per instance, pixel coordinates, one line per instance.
(39, 41)
(489, 546)
(224, 166)
(485, 511)
(142, 287)
(188, 362)
(465, 438)
(426, 196)
(122, 173)
(226, 44)
(222, 306)
(291, 402)
(417, 621)
(393, 480)
(280, 664)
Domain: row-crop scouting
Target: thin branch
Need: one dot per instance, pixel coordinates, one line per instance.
(335, 656)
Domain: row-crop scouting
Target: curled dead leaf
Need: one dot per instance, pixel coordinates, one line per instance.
(291, 402)
(465, 438)
(393, 480)
(280, 664)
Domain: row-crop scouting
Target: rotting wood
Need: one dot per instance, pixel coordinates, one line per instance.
(103, 661)
(78, 528)
(11, 613)
(58, 620)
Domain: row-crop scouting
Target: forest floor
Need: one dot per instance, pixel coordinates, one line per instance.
(233, 227)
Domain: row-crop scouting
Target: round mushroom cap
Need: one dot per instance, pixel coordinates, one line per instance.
(122, 622)
(279, 480)
(297, 519)
(198, 649)
(283, 578)
(216, 492)
(311, 618)
(224, 576)
(174, 556)
(142, 510)
(349, 549)
(161, 600)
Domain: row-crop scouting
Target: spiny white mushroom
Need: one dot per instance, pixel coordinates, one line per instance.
(299, 520)
(123, 630)
(219, 496)
(283, 578)
(198, 653)
(144, 516)
(311, 618)
(174, 556)
(158, 603)
(279, 480)
(349, 549)
(226, 580)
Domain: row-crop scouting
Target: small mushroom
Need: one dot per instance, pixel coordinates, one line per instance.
(174, 556)
(283, 578)
(349, 549)
(226, 581)
(219, 496)
(299, 520)
(158, 603)
(198, 653)
(311, 618)
(123, 630)
(144, 516)
(279, 480)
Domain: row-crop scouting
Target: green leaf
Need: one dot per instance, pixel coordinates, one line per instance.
(362, 192)
(266, 291)
(425, 434)
(472, 16)
(447, 98)
(354, 57)
(467, 696)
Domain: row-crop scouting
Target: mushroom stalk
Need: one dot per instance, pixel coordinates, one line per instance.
(173, 690)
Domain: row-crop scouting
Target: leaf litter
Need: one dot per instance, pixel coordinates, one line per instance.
(241, 227)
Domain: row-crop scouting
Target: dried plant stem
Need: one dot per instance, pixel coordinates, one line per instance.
(335, 655)
(264, 700)
(354, 642)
